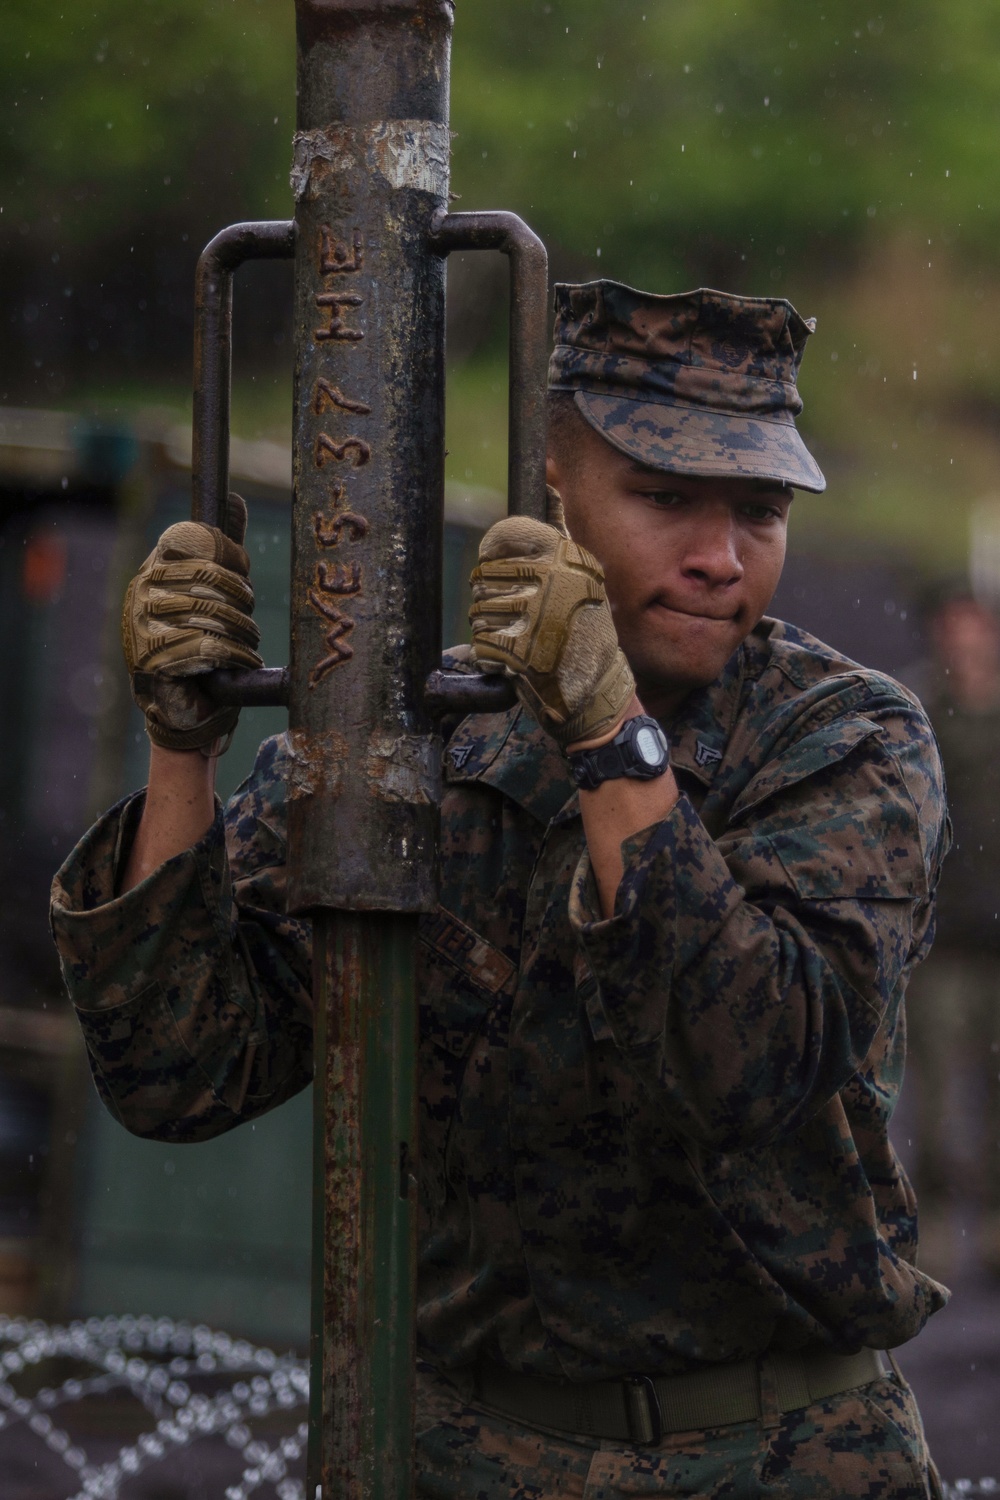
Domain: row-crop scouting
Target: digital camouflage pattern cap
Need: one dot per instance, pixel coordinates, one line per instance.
(697, 383)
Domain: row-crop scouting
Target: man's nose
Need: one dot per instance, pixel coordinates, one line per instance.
(712, 556)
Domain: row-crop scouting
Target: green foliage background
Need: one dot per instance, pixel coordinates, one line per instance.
(840, 154)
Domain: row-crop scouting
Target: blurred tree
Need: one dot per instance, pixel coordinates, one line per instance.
(130, 130)
(687, 139)
(838, 153)
(125, 112)
(690, 138)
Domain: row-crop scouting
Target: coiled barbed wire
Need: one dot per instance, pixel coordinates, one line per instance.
(154, 1359)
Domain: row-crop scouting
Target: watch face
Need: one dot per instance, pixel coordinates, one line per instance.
(647, 744)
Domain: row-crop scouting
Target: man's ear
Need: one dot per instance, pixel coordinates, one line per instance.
(553, 474)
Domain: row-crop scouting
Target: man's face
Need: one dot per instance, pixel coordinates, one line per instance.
(691, 564)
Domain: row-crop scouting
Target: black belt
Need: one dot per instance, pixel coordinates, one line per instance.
(641, 1409)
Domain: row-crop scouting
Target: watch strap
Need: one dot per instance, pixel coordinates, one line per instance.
(605, 763)
(591, 768)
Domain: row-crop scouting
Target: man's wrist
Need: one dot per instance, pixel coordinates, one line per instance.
(606, 736)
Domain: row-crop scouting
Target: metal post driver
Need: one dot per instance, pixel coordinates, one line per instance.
(370, 239)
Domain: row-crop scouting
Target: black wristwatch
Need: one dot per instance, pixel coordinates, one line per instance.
(640, 749)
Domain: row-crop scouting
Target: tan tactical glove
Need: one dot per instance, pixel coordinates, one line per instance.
(187, 611)
(541, 613)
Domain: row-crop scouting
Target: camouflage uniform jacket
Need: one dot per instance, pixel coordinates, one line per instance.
(647, 1142)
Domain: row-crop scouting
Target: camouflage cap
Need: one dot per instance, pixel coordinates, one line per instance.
(698, 383)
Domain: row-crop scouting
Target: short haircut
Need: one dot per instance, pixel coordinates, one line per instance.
(565, 427)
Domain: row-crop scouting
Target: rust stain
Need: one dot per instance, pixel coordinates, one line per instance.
(404, 153)
(326, 445)
(327, 396)
(339, 650)
(337, 329)
(406, 768)
(327, 529)
(317, 764)
(337, 257)
(339, 577)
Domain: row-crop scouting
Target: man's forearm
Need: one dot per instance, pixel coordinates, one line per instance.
(179, 810)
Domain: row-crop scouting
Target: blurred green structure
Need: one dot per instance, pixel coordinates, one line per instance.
(107, 1223)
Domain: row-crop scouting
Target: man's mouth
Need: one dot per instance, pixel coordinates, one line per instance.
(717, 617)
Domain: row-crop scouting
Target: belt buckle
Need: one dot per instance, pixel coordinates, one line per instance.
(642, 1406)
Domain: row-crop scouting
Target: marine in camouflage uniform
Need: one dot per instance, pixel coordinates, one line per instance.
(653, 1149)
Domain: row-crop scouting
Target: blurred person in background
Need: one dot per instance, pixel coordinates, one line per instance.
(953, 1001)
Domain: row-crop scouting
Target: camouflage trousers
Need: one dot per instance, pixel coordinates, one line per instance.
(866, 1443)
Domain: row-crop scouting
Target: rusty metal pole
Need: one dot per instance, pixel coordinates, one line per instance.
(370, 172)
(370, 239)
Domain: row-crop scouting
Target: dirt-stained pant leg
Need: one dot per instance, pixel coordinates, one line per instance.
(867, 1444)
(465, 1453)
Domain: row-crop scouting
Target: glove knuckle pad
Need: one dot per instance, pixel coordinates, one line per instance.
(557, 636)
(188, 611)
(516, 536)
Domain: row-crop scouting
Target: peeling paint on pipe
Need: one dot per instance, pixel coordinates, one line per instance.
(404, 153)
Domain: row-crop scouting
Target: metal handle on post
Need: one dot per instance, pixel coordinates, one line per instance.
(213, 361)
(455, 692)
(446, 692)
(213, 354)
(529, 293)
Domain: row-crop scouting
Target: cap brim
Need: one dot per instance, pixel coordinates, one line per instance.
(683, 439)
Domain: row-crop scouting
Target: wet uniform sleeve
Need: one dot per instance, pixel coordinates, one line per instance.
(745, 978)
(192, 989)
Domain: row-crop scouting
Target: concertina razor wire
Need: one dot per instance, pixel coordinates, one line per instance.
(154, 1359)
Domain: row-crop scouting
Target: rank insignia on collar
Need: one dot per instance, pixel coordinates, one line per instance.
(705, 755)
(460, 754)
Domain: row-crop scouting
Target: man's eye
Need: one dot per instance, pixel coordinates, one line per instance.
(666, 498)
(761, 512)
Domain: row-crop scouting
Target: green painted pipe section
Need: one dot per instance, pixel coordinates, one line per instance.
(365, 1205)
